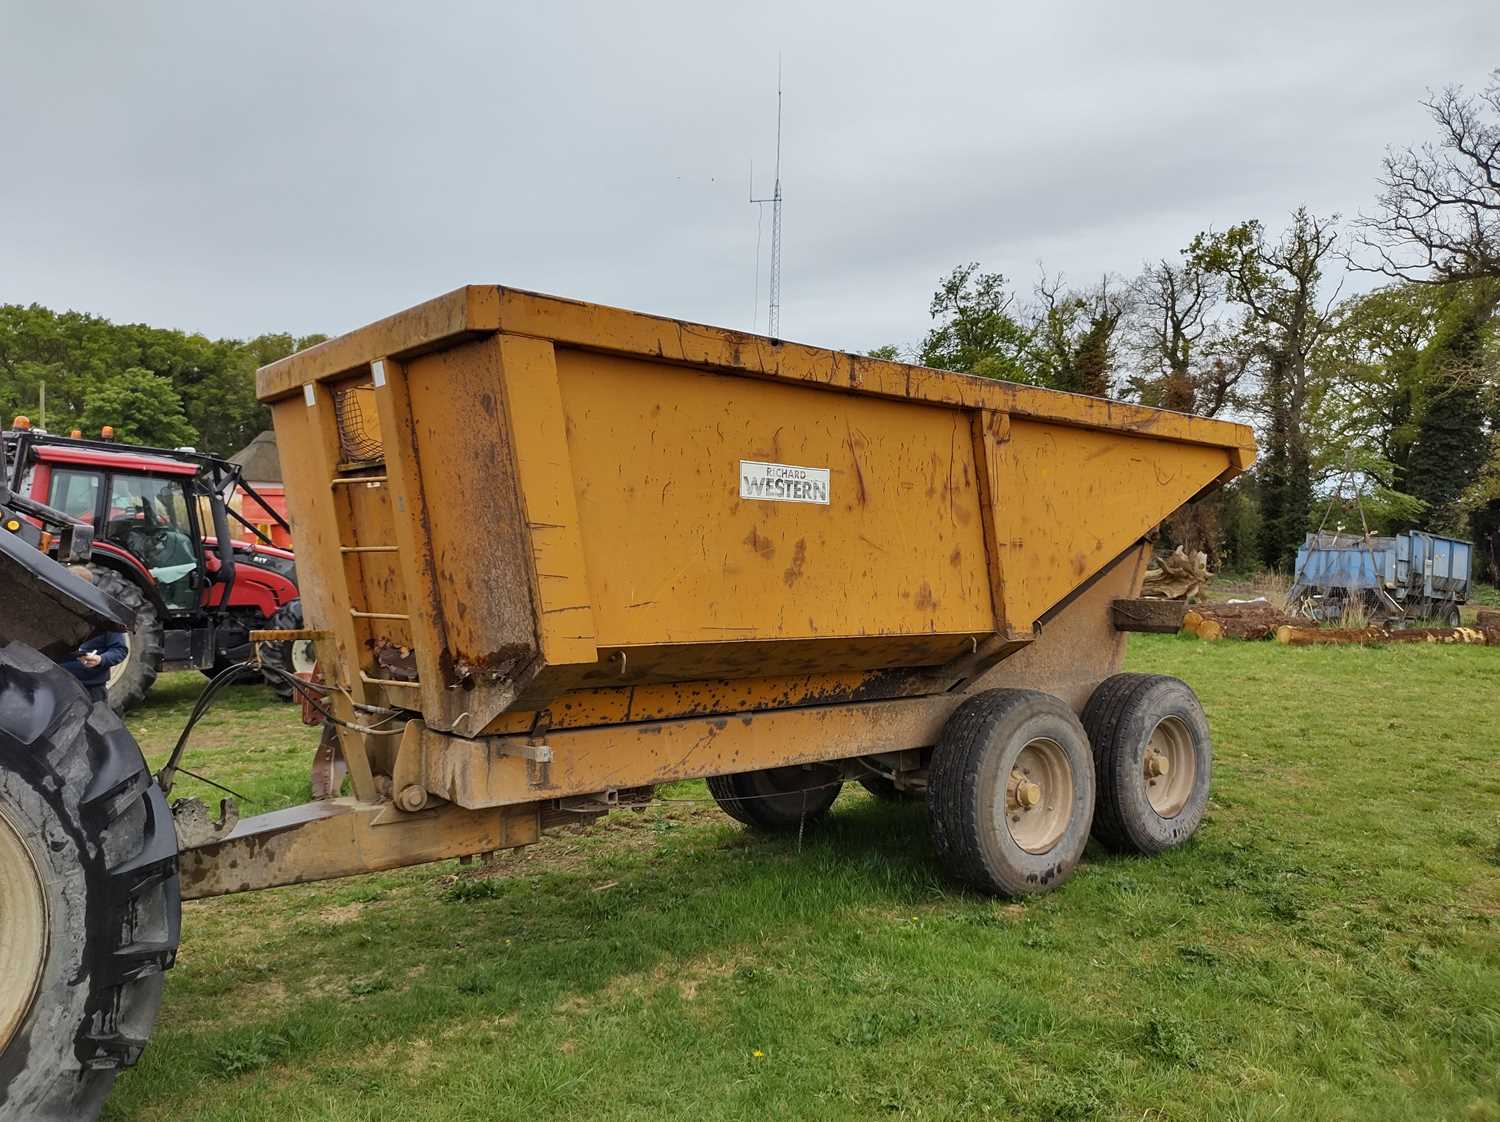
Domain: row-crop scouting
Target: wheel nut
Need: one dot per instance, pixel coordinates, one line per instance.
(1028, 794)
(1157, 764)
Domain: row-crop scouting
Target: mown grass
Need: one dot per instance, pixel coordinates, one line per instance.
(1328, 947)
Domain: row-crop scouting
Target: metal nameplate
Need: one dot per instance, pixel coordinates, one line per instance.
(783, 483)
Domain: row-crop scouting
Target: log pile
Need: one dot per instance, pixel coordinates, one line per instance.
(1298, 636)
(1255, 619)
(1488, 617)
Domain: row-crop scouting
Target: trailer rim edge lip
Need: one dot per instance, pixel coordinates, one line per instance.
(1039, 795)
(1169, 767)
(23, 929)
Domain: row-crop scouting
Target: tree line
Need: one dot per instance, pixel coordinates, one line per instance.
(152, 385)
(1379, 410)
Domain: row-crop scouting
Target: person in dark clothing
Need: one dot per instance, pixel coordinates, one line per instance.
(92, 661)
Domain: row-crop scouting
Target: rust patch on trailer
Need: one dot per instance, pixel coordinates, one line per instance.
(759, 544)
(799, 557)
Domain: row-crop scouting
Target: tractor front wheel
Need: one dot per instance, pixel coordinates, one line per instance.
(132, 679)
(89, 904)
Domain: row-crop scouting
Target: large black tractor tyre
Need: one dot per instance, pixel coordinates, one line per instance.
(778, 798)
(1010, 792)
(89, 904)
(1154, 759)
(131, 680)
(289, 657)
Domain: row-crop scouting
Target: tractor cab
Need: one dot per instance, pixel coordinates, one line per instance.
(144, 511)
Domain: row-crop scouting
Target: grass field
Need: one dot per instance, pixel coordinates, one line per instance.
(1327, 948)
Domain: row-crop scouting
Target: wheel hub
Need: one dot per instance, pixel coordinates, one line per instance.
(1169, 767)
(1039, 796)
(23, 930)
(304, 656)
(117, 671)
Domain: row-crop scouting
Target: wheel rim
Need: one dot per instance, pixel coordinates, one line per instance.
(1169, 767)
(23, 930)
(117, 671)
(1039, 796)
(304, 656)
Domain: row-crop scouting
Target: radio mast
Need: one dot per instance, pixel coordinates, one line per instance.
(773, 308)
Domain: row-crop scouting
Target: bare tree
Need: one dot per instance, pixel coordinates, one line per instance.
(1439, 206)
(1189, 362)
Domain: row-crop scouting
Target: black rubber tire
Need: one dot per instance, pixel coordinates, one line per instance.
(288, 617)
(76, 789)
(777, 799)
(1121, 715)
(975, 752)
(145, 640)
(1452, 617)
(885, 789)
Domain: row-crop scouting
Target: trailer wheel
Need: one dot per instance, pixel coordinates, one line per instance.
(885, 789)
(132, 679)
(778, 798)
(1154, 759)
(291, 657)
(1010, 792)
(89, 905)
(1451, 617)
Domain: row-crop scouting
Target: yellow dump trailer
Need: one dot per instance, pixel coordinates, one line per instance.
(552, 552)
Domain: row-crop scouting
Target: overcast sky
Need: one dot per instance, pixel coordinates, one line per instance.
(237, 168)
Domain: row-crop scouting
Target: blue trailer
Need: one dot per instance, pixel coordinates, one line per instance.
(1392, 580)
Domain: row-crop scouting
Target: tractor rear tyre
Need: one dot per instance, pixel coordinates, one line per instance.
(131, 680)
(1154, 759)
(89, 905)
(1010, 792)
(778, 798)
(290, 657)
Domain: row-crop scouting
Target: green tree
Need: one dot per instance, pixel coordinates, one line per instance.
(975, 332)
(1451, 443)
(1277, 284)
(142, 407)
(72, 353)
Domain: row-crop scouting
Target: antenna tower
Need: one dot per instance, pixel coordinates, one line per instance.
(773, 309)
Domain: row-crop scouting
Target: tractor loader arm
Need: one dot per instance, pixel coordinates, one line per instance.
(42, 604)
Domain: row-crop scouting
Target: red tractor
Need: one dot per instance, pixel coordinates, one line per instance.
(162, 547)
